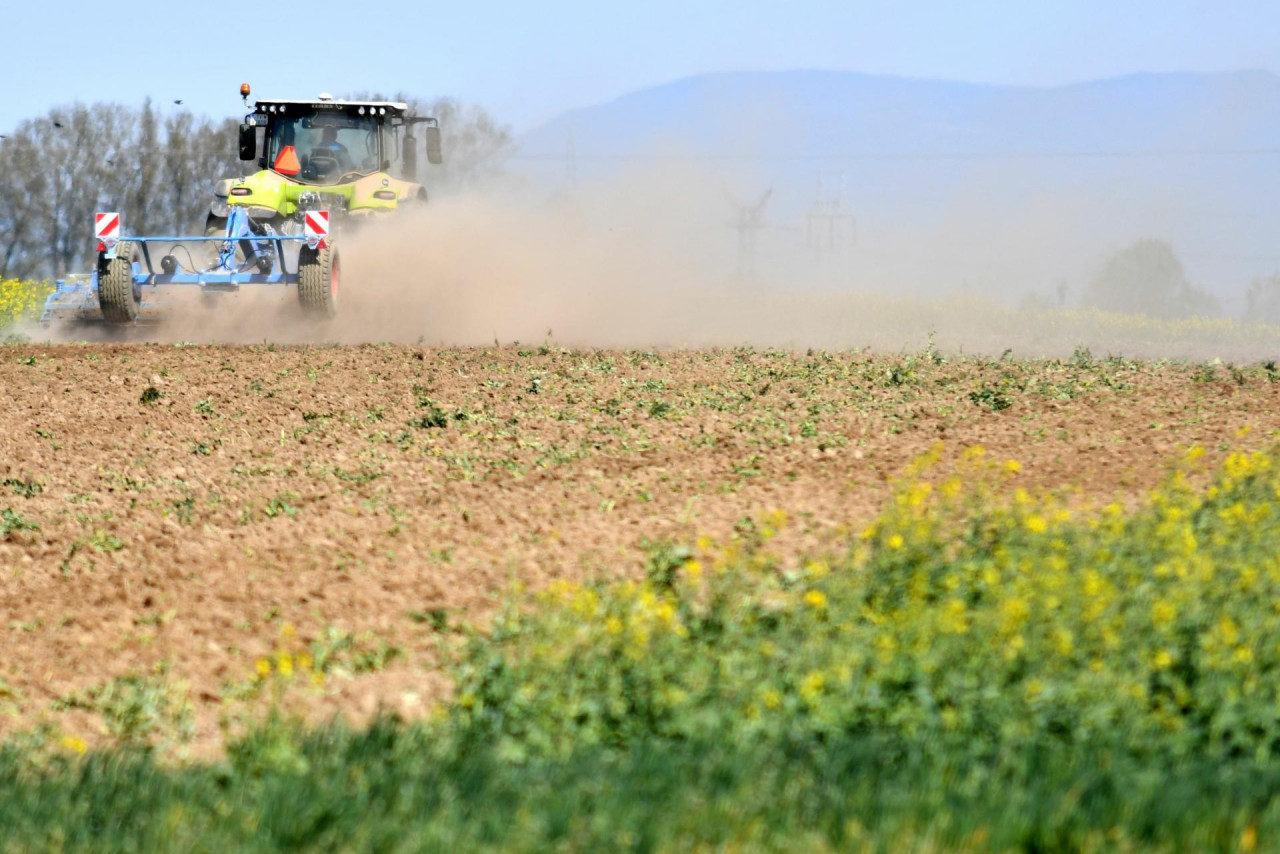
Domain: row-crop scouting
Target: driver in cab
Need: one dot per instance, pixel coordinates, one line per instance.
(330, 148)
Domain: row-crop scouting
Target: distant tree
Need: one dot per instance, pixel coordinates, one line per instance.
(197, 154)
(140, 208)
(85, 152)
(1262, 302)
(1148, 278)
(63, 167)
(21, 195)
(1036, 302)
(475, 144)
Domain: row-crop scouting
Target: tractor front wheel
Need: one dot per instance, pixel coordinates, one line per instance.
(117, 295)
(318, 277)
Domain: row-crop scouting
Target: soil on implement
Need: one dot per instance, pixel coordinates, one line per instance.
(202, 511)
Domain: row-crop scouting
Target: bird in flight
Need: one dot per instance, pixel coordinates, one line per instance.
(177, 100)
(58, 124)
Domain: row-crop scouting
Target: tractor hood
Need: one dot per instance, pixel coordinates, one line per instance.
(268, 193)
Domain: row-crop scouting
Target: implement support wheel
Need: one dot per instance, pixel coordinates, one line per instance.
(318, 276)
(118, 297)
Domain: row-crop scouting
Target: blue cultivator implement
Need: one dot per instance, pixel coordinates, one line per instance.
(247, 254)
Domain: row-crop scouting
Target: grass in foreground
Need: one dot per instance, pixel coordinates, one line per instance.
(981, 669)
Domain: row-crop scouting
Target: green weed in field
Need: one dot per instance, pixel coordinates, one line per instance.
(11, 522)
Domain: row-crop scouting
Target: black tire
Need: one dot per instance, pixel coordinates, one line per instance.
(319, 274)
(116, 294)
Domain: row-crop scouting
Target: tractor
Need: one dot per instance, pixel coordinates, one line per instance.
(324, 166)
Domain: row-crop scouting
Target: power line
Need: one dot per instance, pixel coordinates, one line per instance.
(1225, 256)
(1116, 154)
(830, 219)
(747, 223)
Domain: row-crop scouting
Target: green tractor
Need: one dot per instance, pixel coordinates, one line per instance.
(357, 159)
(325, 165)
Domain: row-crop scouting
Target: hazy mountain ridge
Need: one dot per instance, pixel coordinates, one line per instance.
(831, 112)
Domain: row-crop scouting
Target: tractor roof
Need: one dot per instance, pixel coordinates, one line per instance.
(332, 103)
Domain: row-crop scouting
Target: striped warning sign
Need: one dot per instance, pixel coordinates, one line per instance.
(315, 228)
(106, 228)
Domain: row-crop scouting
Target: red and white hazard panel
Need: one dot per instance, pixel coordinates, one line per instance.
(315, 228)
(106, 228)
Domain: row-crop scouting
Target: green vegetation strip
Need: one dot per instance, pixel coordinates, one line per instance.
(981, 669)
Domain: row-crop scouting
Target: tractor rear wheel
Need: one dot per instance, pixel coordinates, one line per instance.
(118, 297)
(318, 277)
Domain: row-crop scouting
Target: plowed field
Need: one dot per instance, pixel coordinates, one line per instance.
(179, 515)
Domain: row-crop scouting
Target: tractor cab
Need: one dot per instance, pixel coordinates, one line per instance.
(327, 142)
(354, 158)
(324, 147)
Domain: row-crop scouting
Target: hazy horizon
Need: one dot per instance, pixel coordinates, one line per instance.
(529, 64)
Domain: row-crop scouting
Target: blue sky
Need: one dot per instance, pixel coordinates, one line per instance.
(529, 61)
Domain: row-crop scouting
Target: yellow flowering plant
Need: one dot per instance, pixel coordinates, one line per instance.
(975, 620)
(21, 300)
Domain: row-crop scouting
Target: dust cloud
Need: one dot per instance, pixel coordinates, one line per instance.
(659, 257)
(649, 260)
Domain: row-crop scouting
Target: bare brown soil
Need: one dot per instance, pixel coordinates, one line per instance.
(272, 498)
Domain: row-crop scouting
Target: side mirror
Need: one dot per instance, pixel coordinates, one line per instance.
(409, 158)
(248, 142)
(433, 146)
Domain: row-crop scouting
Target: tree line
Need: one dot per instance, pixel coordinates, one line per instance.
(157, 168)
(1148, 278)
